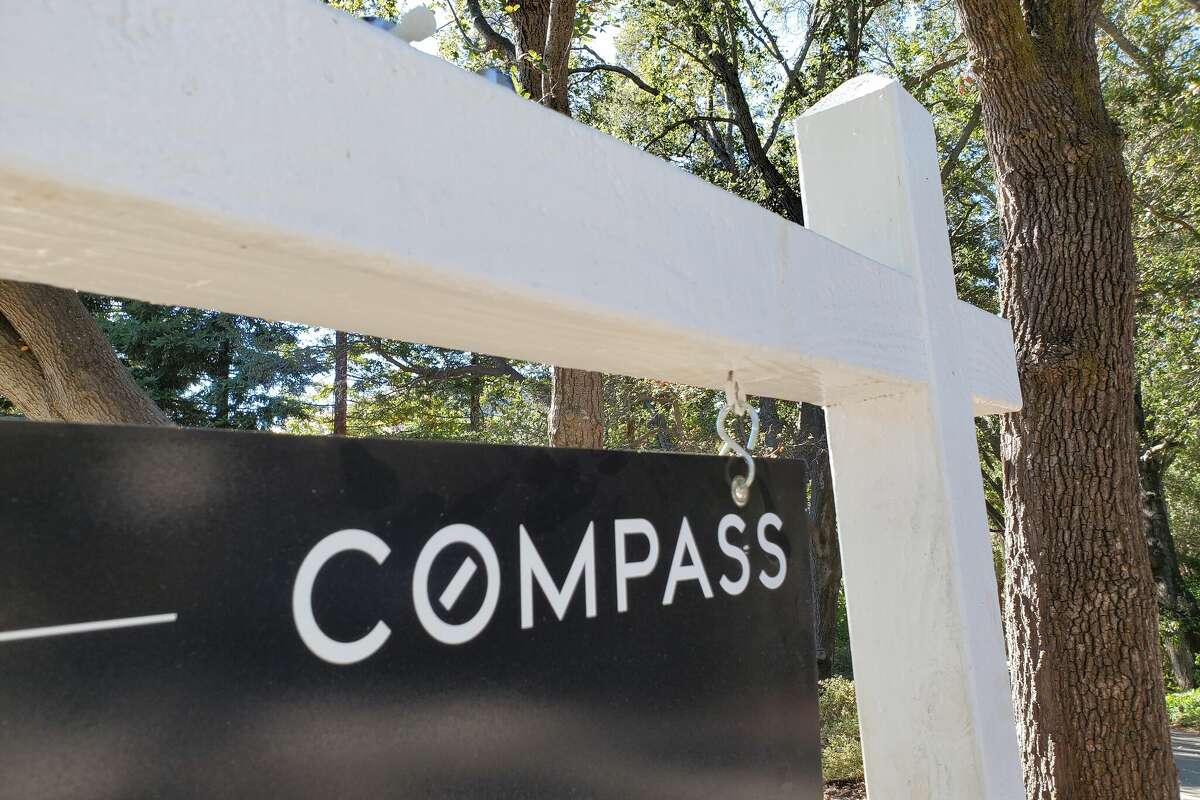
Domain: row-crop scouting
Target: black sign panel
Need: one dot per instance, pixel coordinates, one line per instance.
(213, 614)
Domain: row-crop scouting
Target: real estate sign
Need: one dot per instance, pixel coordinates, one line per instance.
(215, 614)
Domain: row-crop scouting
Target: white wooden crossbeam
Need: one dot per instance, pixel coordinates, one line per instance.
(281, 159)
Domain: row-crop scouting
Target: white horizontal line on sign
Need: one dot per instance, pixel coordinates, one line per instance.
(86, 627)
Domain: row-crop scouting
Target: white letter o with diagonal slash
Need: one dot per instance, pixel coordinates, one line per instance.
(438, 628)
(322, 646)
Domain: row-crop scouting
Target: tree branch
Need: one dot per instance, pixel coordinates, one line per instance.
(1166, 217)
(627, 73)
(772, 44)
(924, 79)
(495, 368)
(793, 73)
(963, 138)
(692, 122)
(471, 44)
(495, 40)
(712, 139)
(725, 70)
(1144, 62)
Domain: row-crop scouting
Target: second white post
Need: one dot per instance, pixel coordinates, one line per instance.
(929, 663)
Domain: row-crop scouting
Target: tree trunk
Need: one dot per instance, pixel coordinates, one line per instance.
(627, 404)
(823, 542)
(812, 449)
(530, 22)
(577, 409)
(543, 46)
(770, 426)
(656, 422)
(1081, 621)
(1182, 661)
(56, 364)
(1174, 597)
(827, 571)
(341, 386)
(476, 389)
(224, 375)
(544, 30)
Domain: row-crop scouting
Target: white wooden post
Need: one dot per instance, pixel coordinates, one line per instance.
(929, 663)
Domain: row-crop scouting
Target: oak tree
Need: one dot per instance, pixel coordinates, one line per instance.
(1080, 610)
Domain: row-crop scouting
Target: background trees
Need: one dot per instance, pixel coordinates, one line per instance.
(1150, 61)
(210, 369)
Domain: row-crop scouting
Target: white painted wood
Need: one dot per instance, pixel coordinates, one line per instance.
(929, 662)
(988, 362)
(281, 159)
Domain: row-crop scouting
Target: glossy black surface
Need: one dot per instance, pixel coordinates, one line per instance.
(702, 698)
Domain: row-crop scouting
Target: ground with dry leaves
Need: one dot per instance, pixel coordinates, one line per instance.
(854, 790)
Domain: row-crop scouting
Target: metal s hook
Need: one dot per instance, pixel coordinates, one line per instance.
(734, 396)
(736, 402)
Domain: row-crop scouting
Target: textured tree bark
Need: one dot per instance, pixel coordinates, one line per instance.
(476, 389)
(21, 378)
(1174, 598)
(771, 426)
(1173, 594)
(341, 354)
(224, 371)
(1182, 661)
(827, 571)
(823, 542)
(530, 23)
(577, 409)
(1081, 621)
(809, 444)
(56, 364)
(657, 422)
(543, 47)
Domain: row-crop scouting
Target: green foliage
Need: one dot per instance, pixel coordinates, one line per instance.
(413, 391)
(389, 9)
(1156, 99)
(1183, 709)
(841, 748)
(920, 43)
(652, 415)
(209, 369)
(1183, 492)
(843, 661)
